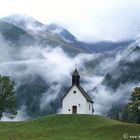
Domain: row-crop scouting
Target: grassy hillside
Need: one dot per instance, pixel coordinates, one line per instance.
(67, 127)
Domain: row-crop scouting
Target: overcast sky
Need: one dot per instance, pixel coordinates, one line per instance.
(88, 20)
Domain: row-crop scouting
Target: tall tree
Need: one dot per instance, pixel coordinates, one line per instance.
(7, 97)
(135, 100)
(132, 110)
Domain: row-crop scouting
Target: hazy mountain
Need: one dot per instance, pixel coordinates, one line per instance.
(15, 35)
(28, 23)
(55, 35)
(107, 45)
(43, 34)
(65, 34)
(42, 66)
(121, 74)
(126, 71)
(24, 22)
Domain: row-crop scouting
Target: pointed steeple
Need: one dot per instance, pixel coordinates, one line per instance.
(75, 78)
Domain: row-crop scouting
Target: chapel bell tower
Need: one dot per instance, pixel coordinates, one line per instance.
(75, 78)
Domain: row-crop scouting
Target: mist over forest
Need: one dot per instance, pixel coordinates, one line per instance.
(41, 58)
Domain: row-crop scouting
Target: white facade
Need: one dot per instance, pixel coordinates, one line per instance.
(74, 102)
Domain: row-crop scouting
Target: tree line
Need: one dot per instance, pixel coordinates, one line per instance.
(8, 103)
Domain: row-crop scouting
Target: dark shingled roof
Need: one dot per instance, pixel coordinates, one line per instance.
(82, 91)
(75, 73)
(85, 94)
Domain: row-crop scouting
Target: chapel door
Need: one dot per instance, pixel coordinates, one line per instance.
(74, 109)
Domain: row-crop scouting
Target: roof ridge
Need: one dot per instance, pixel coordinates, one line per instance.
(85, 93)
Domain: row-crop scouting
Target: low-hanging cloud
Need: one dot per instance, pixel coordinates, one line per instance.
(55, 67)
(105, 98)
(52, 64)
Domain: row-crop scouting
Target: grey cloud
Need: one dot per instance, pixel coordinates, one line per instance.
(54, 65)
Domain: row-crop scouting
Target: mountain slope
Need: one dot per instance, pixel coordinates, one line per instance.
(70, 127)
(30, 75)
(54, 34)
(103, 46)
(28, 23)
(44, 34)
(65, 34)
(15, 35)
(126, 71)
(24, 21)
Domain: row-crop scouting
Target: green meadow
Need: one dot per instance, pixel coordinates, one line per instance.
(69, 127)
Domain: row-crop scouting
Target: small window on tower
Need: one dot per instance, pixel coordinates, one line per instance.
(74, 91)
(89, 107)
(69, 109)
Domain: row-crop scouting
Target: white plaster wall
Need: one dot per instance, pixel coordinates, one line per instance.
(89, 111)
(76, 99)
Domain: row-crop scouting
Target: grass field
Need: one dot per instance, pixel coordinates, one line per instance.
(69, 127)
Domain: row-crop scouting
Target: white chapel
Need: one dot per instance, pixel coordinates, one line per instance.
(76, 100)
